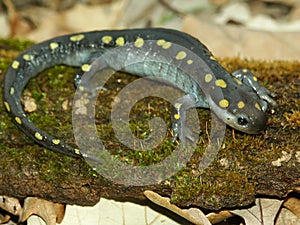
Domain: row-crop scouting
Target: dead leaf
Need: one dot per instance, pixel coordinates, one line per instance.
(219, 217)
(263, 213)
(286, 217)
(50, 212)
(231, 41)
(11, 205)
(193, 215)
(4, 218)
(18, 25)
(293, 204)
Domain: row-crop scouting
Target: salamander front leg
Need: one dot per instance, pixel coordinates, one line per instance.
(247, 78)
(179, 112)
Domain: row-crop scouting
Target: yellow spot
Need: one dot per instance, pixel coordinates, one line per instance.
(120, 41)
(176, 116)
(85, 156)
(212, 58)
(77, 37)
(245, 70)
(18, 120)
(254, 78)
(139, 42)
(189, 61)
(56, 141)
(166, 45)
(257, 106)
(208, 78)
(224, 103)
(28, 57)
(7, 106)
(11, 91)
(238, 81)
(38, 136)
(181, 55)
(76, 151)
(85, 67)
(53, 45)
(241, 104)
(161, 42)
(177, 105)
(221, 83)
(81, 88)
(15, 64)
(106, 39)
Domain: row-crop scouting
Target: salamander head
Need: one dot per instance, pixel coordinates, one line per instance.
(244, 115)
(249, 119)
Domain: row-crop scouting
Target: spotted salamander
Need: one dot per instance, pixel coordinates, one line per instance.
(243, 105)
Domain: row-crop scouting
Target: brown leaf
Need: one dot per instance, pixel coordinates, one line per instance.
(11, 205)
(293, 204)
(18, 25)
(193, 215)
(50, 212)
(230, 41)
(4, 219)
(263, 213)
(219, 216)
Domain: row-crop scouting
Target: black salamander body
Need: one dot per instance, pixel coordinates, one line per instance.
(243, 103)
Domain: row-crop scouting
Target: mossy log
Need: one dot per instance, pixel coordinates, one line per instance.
(246, 166)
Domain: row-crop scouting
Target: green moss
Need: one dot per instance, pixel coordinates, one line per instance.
(15, 44)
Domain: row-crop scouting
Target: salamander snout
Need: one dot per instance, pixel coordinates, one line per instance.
(251, 124)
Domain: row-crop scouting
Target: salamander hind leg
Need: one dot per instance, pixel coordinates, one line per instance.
(179, 119)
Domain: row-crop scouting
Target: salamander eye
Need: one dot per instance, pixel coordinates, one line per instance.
(242, 121)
